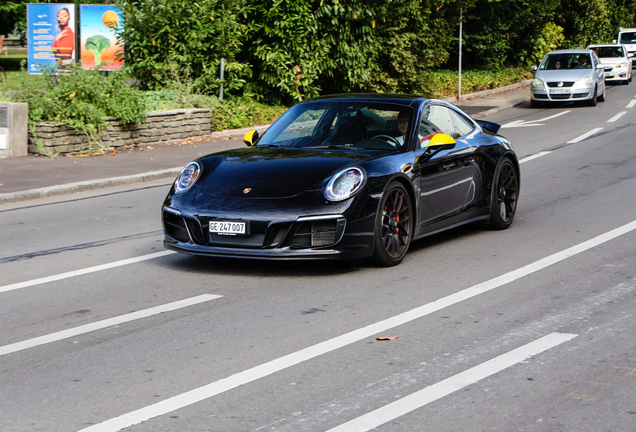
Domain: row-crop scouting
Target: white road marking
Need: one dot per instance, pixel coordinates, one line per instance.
(585, 135)
(207, 391)
(444, 388)
(523, 123)
(631, 104)
(80, 272)
(617, 116)
(534, 156)
(65, 334)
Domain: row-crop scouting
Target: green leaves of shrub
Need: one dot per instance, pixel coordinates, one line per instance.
(81, 99)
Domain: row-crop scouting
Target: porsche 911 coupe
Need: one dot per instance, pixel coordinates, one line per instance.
(345, 177)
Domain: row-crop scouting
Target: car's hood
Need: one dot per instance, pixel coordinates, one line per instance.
(563, 75)
(612, 60)
(272, 172)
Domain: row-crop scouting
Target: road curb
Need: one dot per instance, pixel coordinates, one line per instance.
(87, 185)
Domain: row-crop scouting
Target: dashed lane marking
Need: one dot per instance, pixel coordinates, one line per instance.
(585, 135)
(65, 334)
(617, 116)
(80, 272)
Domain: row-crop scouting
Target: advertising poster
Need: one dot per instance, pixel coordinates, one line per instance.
(99, 46)
(51, 35)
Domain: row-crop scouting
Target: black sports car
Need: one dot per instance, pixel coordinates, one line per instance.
(345, 177)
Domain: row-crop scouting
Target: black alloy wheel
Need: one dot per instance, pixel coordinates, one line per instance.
(393, 226)
(505, 192)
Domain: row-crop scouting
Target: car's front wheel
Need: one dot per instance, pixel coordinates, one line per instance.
(505, 192)
(601, 98)
(393, 226)
(592, 102)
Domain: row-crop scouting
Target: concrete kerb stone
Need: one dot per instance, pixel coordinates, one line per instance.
(83, 186)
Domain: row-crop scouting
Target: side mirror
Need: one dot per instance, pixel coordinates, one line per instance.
(250, 138)
(533, 68)
(441, 142)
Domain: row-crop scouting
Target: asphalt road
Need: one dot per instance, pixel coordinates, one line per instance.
(529, 329)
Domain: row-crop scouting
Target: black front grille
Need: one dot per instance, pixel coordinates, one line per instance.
(560, 96)
(540, 96)
(317, 233)
(175, 227)
(580, 95)
(565, 84)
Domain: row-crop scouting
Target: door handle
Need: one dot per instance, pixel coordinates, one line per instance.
(469, 162)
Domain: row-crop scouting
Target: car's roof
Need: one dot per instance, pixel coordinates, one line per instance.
(400, 99)
(570, 51)
(605, 45)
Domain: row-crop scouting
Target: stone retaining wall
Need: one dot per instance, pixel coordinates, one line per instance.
(159, 126)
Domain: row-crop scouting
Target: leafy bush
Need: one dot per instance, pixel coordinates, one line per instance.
(81, 99)
(445, 83)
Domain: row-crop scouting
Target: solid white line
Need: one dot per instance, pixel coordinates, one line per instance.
(279, 364)
(444, 388)
(585, 135)
(534, 156)
(70, 274)
(631, 104)
(65, 334)
(617, 116)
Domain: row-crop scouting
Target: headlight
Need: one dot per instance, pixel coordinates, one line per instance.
(537, 83)
(187, 178)
(585, 81)
(621, 66)
(345, 184)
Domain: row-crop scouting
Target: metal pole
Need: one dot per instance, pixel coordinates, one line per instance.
(222, 71)
(459, 96)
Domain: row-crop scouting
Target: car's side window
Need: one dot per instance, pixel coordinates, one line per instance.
(436, 119)
(462, 125)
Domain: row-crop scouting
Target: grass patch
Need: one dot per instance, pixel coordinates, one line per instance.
(10, 60)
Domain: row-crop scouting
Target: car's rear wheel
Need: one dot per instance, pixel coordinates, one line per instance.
(592, 102)
(505, 192)
(393, 226)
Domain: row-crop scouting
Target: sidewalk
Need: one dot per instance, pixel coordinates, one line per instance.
(29, 177)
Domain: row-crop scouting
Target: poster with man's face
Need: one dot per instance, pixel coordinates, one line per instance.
(51, 36)
(99, 46)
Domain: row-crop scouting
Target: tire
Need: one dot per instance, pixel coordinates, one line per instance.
(593, 101)
(393, 226)
(535, 103)
(504, 195)
(602, 97)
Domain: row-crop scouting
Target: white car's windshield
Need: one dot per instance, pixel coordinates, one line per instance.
(627, 38)
(607, 52)
(331, 124)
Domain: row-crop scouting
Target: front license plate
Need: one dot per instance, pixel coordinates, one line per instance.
(559, 90)
(227, 227)
(608, 74)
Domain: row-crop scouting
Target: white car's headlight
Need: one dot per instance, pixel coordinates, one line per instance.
(621, 66)
(537, 83)
(187, 178)
(585, 81)
(345, 184)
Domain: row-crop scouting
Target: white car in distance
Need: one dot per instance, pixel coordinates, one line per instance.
(617, 61)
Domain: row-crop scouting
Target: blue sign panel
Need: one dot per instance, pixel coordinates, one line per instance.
(51, 35)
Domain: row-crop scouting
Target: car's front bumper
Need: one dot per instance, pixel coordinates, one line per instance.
(542, 94)
(322, 236)
(616, 74)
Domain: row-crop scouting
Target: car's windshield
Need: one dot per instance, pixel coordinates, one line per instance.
(607, 51)
(335, 124)
(566, 61)
(627, 37)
